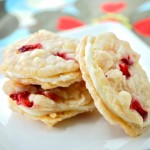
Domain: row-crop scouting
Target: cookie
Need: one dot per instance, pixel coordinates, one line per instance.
(116, 81)
(43, 58)
(49, 106)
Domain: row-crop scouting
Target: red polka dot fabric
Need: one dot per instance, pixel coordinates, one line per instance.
(28, 16)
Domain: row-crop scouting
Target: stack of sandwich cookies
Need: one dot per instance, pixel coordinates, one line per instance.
(45, 78)
(116, 81)
(53, 78)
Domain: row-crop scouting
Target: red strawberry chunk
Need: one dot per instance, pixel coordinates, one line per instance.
(125, 64)
(30, 47)
(127, 60)
(40, 91)
(51, 96)
(137, 106)
(124, 69)
(22, 98)
(63, 56)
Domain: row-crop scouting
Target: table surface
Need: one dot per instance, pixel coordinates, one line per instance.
(19, 18)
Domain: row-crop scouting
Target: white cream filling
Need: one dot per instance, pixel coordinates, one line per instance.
(53, 79)
(49, 106)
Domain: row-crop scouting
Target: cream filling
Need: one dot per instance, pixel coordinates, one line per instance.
(52, 79)
(101, 90)
(48, 106)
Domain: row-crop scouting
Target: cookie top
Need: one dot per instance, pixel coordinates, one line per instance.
(116, 81)
(43, 58)
(38, 102)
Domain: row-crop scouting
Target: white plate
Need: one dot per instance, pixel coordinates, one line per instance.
(88, 131)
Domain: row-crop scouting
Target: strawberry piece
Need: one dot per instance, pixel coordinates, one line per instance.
(137, 106)
(127, 60)
(22, 98)
(51, 96)
(124, 69)
(14, 96)
(30, 47)
(39, 90)
(125, 64)
(63, 56)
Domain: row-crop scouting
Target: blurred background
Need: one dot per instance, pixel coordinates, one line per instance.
(19, 18)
